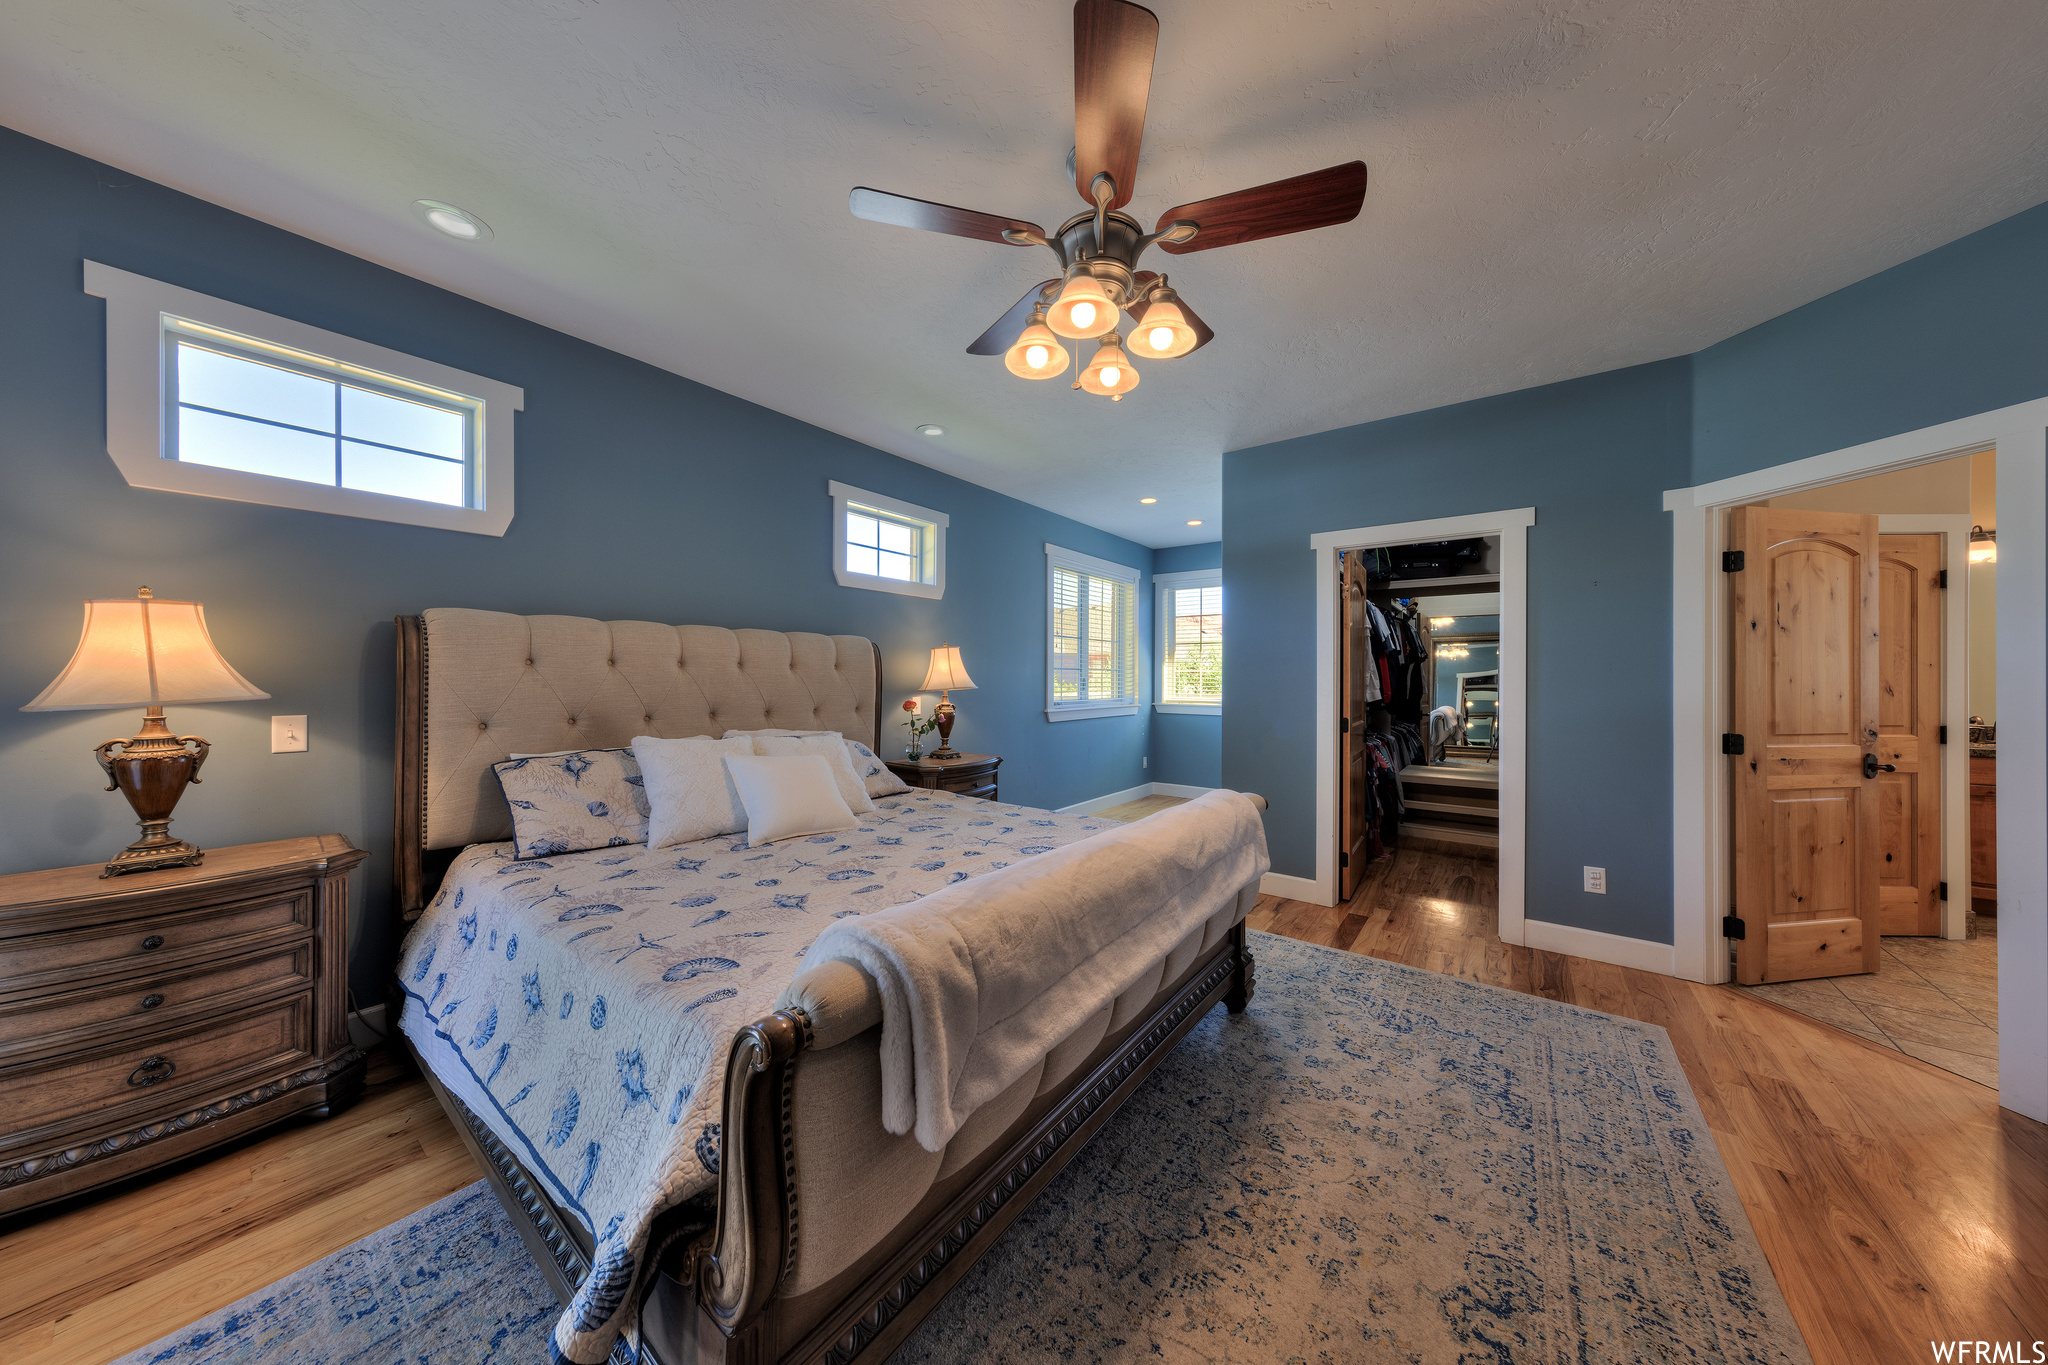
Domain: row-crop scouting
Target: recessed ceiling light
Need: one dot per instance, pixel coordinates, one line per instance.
(1194, 523)
(460, 224)
(1148, 500)
(931, 429)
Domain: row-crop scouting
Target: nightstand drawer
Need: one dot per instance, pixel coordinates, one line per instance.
(138, 945)
(158, 999)
(983, 786)
(266, 1040)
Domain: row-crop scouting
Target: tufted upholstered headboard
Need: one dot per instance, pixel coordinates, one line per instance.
(475, 687)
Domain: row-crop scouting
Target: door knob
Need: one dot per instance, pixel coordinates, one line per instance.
(1871, 767)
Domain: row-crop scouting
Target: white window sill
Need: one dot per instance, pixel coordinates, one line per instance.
(1188, 708)
(1092, 712)
(876, 584)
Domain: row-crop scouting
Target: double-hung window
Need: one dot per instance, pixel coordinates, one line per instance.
(1190, 649)
(1092, 666)
(211, 397)
(887, 544)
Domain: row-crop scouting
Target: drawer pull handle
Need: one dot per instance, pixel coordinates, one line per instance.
(153, 941)
(151, 1001)
(152, 1070)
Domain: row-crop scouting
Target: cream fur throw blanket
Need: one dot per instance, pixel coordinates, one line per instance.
(981, 979)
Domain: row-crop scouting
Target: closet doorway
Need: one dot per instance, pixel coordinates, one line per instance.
(1421, 661)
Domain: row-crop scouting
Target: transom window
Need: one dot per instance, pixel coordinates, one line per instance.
(1190, 616)
(210, 397)
(887, 544)
(1092, 648)
(237, 402)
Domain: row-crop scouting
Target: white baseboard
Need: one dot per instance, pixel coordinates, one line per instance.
(1293, 888)
(367, 1027)
(1137, 793)
(1639, 953)
(1179, 789)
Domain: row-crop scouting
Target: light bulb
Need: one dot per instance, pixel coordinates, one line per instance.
(1110, 374)
(1083, 310)
(1036, 353)
(1164, 328)
(450, 224)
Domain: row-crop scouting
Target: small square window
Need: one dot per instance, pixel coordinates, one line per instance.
(887, 544)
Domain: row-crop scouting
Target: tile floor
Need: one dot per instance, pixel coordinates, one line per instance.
(1934, 999)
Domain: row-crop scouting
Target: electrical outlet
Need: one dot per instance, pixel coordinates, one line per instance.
(287, 734)
(1596, 880)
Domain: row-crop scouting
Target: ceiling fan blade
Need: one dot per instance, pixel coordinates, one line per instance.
(1319, 199)
(879, 207)
(997, 339)
(1203, 331)
(1113, 45)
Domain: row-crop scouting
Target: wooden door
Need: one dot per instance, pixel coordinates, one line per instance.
(1355, 649)
(1909, 734)
(1804, 644)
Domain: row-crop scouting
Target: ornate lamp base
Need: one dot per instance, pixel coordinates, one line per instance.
(151, 770)
(944, 715)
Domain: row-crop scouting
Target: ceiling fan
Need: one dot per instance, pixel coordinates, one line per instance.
(1098, 249)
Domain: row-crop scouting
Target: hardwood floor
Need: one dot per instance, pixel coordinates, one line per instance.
(1897, 1203)
(98, 1279)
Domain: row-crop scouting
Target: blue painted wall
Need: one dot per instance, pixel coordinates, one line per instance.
(641, 495)
(1188, 750)
(1947, 334)
(1593, 456)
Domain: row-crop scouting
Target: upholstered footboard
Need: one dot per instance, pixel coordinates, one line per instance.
(834, 1237)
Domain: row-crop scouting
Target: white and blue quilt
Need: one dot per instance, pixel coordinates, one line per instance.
(583, 1005)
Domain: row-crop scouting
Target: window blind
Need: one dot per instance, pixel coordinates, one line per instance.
(1194, 645)
(1093, 610)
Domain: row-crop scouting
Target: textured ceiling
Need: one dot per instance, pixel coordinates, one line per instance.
(1557, 188)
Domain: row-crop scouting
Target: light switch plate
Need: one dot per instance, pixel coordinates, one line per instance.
(287, 734)
(1596, 880)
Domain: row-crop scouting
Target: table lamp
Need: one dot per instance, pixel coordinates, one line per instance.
(151, 653)
(947, 674)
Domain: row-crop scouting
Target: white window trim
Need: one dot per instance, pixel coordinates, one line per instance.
(1162, 585)
(843, 493)
(135, 409)
(1059, 557)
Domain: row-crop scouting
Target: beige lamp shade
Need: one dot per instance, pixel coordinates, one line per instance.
(144, 651)
(947, 673)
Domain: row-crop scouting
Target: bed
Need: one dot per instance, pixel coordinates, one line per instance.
(683, 1116)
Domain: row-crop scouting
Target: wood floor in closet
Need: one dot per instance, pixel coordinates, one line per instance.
(1897, 1203)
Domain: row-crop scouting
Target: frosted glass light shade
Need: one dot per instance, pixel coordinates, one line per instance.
(1083, 310)
(1036, 342)
(947, 673)
(1163, 317)
(1110, 374)
(144, 651)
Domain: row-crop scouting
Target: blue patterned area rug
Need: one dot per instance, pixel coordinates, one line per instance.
(1373, 1163)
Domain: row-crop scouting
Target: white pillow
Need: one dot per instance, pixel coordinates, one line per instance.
(875, 777)
(690, 795)
(788, 797)
(832, 749)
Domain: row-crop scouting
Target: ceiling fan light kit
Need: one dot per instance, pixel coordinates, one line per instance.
(1098, 249)
(1037, 353)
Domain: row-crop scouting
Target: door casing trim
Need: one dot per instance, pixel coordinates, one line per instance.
(1701, 877)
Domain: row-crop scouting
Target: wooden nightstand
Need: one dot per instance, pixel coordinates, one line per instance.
(145, 1017)
(967, 775)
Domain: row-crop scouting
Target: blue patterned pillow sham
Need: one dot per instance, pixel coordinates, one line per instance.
(565, 803)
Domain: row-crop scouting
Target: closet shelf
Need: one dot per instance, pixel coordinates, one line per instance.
(1407, 587)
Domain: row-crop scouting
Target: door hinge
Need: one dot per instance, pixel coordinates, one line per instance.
(1944, 890)
(1731, 561)
(1347, 725)
(1731, 744)
(1944, 735)
(1733, 927)
(1343, 860)
(1944, 580)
